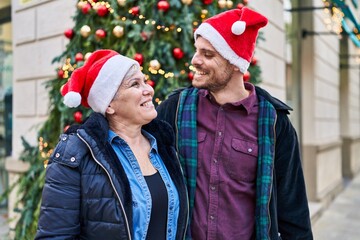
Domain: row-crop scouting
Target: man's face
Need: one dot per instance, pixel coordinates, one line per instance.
(213, 72)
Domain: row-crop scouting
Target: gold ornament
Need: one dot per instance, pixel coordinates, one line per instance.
(87, 55)
(222, 3)
(118, 31)
(85, 31)
(121, 2)
(204, 12)
(80, 4)
(154, 64)
(229, 4)
(186, 2)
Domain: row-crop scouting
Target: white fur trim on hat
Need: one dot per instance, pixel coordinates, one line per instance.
(108, 81)
(72, 99)
(218, 42)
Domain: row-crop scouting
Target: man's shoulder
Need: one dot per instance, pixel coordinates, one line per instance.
(278, 104)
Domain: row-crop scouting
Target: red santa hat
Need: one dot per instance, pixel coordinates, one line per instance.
(97, 81)
(233, 34)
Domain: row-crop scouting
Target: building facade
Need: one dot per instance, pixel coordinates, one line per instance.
(305, 59)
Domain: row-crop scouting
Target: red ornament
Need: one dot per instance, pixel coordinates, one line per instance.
(79, 57)
(135, 10)
(100, 34)
(207, 2)
(102, 11)
(163, 5)
(178, 53)
(69, 33)
(247, 76)
(190, 76)
(253, 60)
(144, 36)
(60, 73)
(78, 117)
(240, 6)
(151, 83)
(86, 8)
(139, 58)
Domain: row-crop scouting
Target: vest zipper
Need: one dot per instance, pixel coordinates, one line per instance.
(112, 184)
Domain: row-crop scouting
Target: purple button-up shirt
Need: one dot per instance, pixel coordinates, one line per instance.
(227, 161)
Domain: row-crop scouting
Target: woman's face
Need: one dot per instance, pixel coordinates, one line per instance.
(132, 104)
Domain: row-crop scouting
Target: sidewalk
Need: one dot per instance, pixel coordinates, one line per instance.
(341, 220)
(4, 228)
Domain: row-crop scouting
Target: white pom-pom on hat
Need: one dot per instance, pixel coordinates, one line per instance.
(72, 99)
(238, 27)
(233, 34)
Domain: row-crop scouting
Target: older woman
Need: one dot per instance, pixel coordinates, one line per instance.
(116, 176)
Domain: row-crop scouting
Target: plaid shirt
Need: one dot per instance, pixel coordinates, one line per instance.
(187, 145)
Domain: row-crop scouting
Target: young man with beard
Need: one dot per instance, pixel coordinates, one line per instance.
(239, 151)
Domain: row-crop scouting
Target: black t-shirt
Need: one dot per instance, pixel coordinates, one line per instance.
(159, 210)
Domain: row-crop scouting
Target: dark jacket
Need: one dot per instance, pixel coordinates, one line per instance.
(288, 206)
(87, 194)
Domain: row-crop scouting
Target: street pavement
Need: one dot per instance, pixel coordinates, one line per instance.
(340, 221)
(4, 228)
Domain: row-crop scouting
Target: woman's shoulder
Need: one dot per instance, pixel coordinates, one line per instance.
(69, 150)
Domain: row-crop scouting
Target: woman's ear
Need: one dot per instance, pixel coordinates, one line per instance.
(110, 110)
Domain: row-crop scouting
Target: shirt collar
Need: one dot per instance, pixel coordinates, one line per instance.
(112, 135)
(247, 103)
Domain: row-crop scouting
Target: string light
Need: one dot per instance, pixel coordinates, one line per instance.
(44, 152)
(333, 18)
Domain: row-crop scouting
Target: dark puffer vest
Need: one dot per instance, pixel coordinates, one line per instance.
(87, 194)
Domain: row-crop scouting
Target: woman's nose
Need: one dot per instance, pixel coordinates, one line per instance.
(148, 90)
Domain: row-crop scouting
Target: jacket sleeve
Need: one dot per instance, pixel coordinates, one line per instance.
(60, 207)
(293, 211)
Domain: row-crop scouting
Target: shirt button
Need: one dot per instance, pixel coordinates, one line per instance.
(72, 159)
(219, 133)
(213, 188)
(250, 150)
(215, 161)
(57, 155)
(212, 217)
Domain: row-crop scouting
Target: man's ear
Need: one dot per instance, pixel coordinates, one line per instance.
(237, 69)
(110, 110)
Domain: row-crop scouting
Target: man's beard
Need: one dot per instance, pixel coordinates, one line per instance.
(216, 84)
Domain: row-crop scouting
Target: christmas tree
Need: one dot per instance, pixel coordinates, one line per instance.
(157, 34)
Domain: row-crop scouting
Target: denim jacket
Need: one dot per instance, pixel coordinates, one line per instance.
(140, 192)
